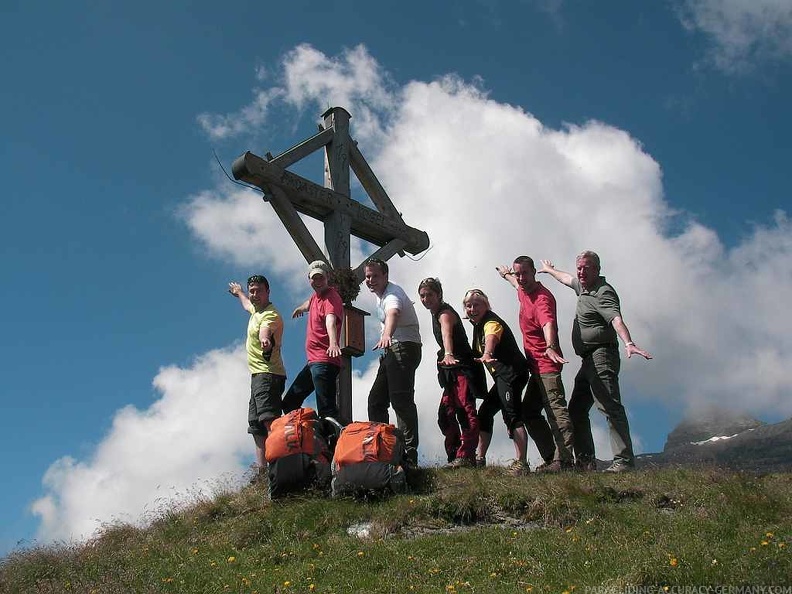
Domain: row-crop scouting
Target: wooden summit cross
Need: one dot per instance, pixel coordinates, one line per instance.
(342, 217)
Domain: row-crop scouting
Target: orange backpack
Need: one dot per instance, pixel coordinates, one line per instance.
(295, 433)
(368, 458)
(367, 441)
(297, 453)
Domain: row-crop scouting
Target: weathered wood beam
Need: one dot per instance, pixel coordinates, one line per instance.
(386, 252)
(303, 149)
(295, 225)
(318, 202)
(371, 184)
(338, 224)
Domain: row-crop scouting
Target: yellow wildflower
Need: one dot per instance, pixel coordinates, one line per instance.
(673, 562)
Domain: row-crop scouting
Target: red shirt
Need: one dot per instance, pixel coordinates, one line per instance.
(316, 339)
(537, 308)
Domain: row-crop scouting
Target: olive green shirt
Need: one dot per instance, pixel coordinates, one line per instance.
(596, 308)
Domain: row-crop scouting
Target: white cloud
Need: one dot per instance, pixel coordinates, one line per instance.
(253, 115)
(741, 32)
(179, 448)
(487, 181)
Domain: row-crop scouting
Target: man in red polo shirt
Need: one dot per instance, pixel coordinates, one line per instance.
(539, 326)
(325, 312)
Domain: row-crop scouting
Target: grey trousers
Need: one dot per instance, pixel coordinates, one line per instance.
(597, 382)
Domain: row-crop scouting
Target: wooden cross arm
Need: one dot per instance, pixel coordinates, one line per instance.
(319, 202)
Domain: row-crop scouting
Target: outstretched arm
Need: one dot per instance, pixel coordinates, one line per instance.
(562, 277)
(553, 351)
(330, 323)
(507, 274)
(447, 330)
(236, 290)
(391, 319)
(624, 334)
(490, 342)
(302, 309)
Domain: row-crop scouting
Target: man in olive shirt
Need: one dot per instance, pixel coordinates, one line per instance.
(267, 373)
(597, 327)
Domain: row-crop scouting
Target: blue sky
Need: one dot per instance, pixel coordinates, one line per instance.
(655, 133)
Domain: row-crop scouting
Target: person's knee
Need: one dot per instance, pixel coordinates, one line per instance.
(260, 427)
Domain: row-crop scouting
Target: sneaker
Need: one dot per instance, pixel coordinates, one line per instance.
(481, 461)
(518, 468)
(461, 463)
(620, 466)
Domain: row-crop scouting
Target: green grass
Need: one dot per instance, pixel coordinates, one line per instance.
(459, 531)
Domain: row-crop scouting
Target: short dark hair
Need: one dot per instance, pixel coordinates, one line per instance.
(433, 284)
(522, 260)
(383, 265)
(259, 279)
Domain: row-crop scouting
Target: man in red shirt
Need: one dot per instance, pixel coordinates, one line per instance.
(539, 326)
(325, 312)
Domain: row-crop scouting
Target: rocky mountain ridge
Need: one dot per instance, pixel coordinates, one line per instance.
(729, 440)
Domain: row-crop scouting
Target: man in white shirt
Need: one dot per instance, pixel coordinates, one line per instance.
(400, 341)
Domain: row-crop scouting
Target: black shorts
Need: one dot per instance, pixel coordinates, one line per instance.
(265, 403)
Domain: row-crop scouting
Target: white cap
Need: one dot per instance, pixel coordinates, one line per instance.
(318, 267)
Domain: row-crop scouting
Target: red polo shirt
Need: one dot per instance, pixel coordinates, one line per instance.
(537, 308)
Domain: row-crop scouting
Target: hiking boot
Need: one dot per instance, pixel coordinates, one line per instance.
(461, 463)
(586, 465)
(553, 467)
(518, 468)
(620, 466)
(481, 461)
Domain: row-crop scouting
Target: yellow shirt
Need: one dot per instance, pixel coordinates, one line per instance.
(257, 362)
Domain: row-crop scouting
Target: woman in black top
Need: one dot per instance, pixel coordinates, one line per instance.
(459, 375)
(495, 346)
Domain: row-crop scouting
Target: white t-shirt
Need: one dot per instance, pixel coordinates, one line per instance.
(407, 323)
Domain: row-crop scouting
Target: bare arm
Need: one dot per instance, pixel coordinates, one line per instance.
(507, 274)
(301, 309)
(562, 277)
(551, 338)
(391, 318)
(330, 323)
(624, 334)
(447, 330)
(236, 290)
(265, 336)
(490, 342)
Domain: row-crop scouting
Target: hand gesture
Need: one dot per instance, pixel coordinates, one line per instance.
(234, 288)
(486, 358)
(449, 359)
(553, 355)
(383, 343)
(632, 349)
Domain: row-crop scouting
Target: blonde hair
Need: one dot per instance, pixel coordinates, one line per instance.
(471, 293)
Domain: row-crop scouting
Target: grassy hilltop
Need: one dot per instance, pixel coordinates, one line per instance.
(459, 531)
